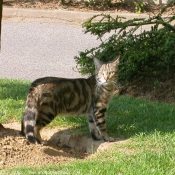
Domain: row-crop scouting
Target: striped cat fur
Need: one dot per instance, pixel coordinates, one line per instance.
(50, 96)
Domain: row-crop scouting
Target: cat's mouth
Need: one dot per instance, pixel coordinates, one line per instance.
(106, 82)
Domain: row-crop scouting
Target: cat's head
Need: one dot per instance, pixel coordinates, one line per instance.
(106, 73)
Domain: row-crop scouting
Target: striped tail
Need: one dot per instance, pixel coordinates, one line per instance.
(27, 125)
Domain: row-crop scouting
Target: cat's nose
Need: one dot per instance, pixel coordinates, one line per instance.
(106, 77)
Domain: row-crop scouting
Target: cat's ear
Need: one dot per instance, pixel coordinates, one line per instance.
(97, 63)
(116, 60)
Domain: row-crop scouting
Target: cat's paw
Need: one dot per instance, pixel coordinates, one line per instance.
(41, 142)
(108, 139)
(95, 135)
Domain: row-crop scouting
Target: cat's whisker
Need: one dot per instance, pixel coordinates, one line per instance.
(114, 82)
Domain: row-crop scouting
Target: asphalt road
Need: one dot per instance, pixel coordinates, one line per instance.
(33, 48)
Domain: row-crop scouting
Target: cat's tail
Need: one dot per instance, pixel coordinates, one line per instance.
(27, 125)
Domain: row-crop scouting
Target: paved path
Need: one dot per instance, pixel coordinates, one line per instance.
(64, 15)
(37, 43)
(33, 48)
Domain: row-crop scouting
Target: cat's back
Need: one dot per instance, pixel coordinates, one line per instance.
(63, 83)
(55, 86)
(69, 95)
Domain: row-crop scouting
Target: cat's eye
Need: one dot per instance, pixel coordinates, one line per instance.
(111, 73)
(100, 73)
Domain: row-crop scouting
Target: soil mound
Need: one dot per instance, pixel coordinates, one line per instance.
(61, 147)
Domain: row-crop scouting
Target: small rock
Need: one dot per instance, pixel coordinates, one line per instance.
(4, 153)
(8, 147)
(4, 147)
(2, 163)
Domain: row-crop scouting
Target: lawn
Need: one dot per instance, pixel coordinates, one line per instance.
(148, 127)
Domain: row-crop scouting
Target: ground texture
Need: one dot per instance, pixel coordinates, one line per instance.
(62, 147)
(16, 151)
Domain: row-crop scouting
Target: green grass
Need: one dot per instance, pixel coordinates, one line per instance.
(12, 99)
(149, 126)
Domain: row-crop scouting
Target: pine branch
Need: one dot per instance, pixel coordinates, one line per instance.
(107, 24)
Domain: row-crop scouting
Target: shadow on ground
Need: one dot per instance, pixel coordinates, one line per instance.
(62, 146)
(78, 143)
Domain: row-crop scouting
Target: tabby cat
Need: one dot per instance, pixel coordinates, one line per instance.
(50, 96)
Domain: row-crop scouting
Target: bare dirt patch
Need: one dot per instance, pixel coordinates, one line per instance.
(16, 151)
(62, 147)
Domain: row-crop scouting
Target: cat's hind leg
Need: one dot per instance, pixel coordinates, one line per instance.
(38, 135)
(44, 117)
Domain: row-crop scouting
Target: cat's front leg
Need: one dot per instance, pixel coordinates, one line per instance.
(93, 129)
(100, 121)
